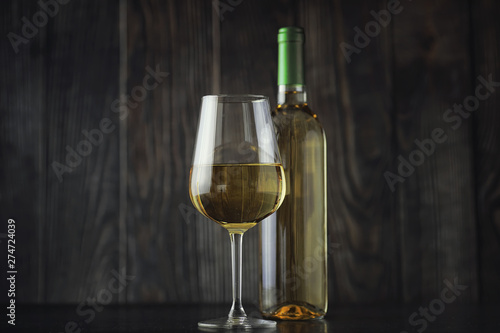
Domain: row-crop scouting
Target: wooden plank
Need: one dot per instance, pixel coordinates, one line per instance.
(249, 54)
(436, 200)
(351, 96)
(170, 257)
(81, 231)
(249, 48)
(485, 49)
(22, 148)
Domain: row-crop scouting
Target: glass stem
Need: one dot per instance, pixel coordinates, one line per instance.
(236, 245)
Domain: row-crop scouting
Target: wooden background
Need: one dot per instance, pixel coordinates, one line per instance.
(126, 208)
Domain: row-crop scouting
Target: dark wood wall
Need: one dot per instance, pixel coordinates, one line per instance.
(125, 206)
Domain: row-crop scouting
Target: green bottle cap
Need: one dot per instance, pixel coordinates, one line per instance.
(291, 56)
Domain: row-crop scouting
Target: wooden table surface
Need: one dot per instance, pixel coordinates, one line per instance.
(184, 318)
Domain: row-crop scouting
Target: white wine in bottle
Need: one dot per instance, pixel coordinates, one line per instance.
(293, 241)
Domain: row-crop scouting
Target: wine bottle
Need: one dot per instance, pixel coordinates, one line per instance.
(293, 241)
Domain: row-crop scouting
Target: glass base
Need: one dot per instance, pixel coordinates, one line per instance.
(236, 323)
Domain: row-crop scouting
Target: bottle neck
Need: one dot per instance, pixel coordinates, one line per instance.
(292, 94)
(291, 85)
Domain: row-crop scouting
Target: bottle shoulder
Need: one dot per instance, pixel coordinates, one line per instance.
(288, 114)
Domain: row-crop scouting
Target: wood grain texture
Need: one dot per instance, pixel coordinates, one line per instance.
(126, 204)
(485, 49)
(172, 258)
(22, 150)
(81, 230)
(436, 201)
(352, 100)
(249, 48)
(249, 65)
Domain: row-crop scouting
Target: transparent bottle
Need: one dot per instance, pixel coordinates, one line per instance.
(293, 241)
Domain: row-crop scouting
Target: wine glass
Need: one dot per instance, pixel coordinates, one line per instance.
(236, 179)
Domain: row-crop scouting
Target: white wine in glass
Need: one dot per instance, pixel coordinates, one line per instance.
(236, 179)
